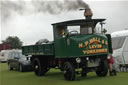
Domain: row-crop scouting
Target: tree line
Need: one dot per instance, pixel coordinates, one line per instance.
(14, 41)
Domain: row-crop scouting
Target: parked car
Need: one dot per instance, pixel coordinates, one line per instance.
(18, 61)
(4, 55)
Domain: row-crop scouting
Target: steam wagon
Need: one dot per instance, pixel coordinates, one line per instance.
(78, 47)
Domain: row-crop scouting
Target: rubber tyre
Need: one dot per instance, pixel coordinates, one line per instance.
(39, 69)
(9, 67)
(69, 71)
(103, 69)
(21, 68)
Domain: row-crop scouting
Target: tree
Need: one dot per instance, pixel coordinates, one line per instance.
(14, 41)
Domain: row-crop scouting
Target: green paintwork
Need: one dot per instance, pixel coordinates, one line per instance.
(67, 47)
(109, 43)
(45, 49)
(70, 46)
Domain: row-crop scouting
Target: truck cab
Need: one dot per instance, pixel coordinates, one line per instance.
(79, 38)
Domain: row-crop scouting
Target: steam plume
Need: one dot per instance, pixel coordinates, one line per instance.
(7, 7)
(45, 6)
(56, 7)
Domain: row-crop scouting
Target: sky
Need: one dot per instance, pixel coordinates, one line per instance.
(30, 25)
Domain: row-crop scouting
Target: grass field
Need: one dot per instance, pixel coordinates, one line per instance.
(55, 77)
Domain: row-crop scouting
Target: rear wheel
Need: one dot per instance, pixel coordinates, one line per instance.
(9, 67)
(39, 68)
(69, 71)
(103, 69)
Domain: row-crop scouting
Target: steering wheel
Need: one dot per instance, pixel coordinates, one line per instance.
(73, 32)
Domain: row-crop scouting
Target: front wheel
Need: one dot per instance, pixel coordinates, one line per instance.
(69, 71)
(103, 69)
(9, 67)
(21, 69)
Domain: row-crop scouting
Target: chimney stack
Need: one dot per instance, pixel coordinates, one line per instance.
(87, 13)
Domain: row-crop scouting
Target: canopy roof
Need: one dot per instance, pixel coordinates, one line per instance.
(79, 22)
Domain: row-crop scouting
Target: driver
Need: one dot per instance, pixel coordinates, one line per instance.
(63, 33)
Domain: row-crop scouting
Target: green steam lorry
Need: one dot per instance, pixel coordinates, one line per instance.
(78, 47)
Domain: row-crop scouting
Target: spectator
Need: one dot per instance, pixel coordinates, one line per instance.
(110, 61)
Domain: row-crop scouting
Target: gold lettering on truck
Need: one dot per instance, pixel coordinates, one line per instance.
(94, 45)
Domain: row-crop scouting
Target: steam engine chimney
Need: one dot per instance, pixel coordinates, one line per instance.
(87, 13)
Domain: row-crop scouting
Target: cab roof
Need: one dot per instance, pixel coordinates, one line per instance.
(79, 22)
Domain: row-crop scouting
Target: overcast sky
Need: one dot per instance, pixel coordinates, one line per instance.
(30, 26)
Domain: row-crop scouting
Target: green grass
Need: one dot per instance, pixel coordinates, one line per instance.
(55, 77)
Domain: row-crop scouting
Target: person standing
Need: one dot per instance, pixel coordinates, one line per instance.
(110, 61)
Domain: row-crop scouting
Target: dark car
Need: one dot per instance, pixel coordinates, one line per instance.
(18, 61)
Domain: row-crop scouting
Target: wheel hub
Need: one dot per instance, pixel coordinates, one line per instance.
(65, 72)
(36, 67)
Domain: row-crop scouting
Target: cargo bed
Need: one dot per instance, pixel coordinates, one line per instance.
(44, 49)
